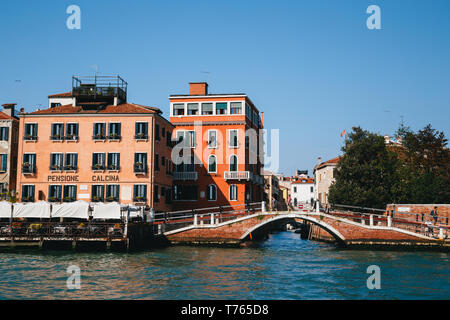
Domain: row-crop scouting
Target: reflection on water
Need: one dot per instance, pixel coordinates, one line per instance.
(284, 267)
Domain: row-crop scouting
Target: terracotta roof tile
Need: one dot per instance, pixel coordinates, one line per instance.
(4, 116)
(61, 95)
(109, 109)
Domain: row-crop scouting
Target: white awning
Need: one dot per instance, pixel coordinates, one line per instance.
(39, 209)
(77, 209)
(5, 209)
(106, 211)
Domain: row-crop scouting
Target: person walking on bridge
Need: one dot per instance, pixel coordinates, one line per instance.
(434, 215)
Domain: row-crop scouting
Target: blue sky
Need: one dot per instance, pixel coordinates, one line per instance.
(313, 67)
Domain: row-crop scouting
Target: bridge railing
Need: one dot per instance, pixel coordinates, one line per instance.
(431, 227)
(204, 216)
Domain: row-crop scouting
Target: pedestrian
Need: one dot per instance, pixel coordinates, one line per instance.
(434, 215)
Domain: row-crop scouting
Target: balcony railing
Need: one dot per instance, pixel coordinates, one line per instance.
(114, 136)
(28, 169)
(70, 168)
(57, 137)
(237, 175)
(113, 167)
(140, 199)
(98, 167)
(185, 176)
(141, 136)
(56, 167)
(29, 137)
(71, 137)
(140, 168)
(99, 136)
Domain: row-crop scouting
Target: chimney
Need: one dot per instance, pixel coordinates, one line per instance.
(198, 88)
(319, 160)
(9, 109)
(386, 139)
(262, 119)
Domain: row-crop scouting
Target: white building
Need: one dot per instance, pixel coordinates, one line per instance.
(302, 192)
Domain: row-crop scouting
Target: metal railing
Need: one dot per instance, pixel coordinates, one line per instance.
(435, 227)
(204, 216)
(27, 230)
(185, 175)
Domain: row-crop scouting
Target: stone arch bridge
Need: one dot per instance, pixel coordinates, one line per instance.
(345, 229)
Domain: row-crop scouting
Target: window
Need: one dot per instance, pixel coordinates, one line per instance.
(29, 163)
(233, 163)
(233, 192)
(30, 131)
(140, 162)
(99, 131)
(114, 161)
(212, 164)
(141, 130)
(98, 161)
(112, 192)
(187, 164)
(70, 193)
(169, 139)
(178, 109)
(163, 132)
(55, 104)
(114, 131)
(221, 108)
(57, 131)
(312, 189)
(156, 162)
(295, 189)
(207, 108)
(72, 131)
(56, 161)
(212, 139)
(185, 192)
(98, 193)
(156, 194)
(235, 107)
(212, 192)
(71, 161)
(140, 193)
(4, 133)
(3, 162)
(192, 109)
(188, 137)
(28, 193)
(233, 136)
(54, 193)
(157, 132)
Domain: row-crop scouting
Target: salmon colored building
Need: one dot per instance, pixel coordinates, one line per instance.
(91, 144)
(218, 156)
(9, 130)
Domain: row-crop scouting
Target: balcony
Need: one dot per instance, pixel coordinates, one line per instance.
(29, 137)
(237, 175)
(99, 88)
(71, 137)
(28, 168)
(98, 167)
(56, 167)
(140, 168)
(184, 176)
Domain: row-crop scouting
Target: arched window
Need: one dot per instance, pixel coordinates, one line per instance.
(212, 165)
(233, 163)
(233, 192)
(212, 192)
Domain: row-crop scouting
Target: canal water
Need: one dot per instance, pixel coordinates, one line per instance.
(283, 267)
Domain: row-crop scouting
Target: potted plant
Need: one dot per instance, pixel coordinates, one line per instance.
(110, 198)
(113, 136)
(98, 166)
(53, 199)
(68, 199)
(95, 198)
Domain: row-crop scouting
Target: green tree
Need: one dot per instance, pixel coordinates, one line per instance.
(367, 173)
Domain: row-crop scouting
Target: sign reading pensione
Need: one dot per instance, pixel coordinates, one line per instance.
(63, 178)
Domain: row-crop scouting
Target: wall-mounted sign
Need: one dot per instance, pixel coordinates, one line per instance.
(63, 178)
(108, 178)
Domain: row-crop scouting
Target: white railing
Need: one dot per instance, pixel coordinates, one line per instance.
(185, 175)
(237, 175)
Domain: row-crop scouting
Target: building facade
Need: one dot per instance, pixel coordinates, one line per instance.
(324, 177)
(92, 145)
(218, 151)
(303, 193)
(9, 132)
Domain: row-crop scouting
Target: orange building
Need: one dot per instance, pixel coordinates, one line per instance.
(92, 145)
(218, 156)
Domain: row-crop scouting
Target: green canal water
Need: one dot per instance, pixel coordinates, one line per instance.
(283, 267)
